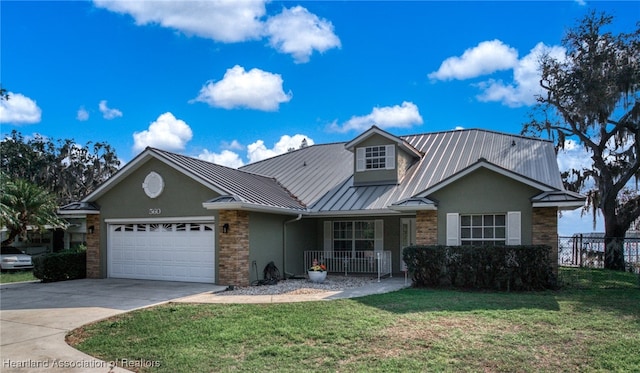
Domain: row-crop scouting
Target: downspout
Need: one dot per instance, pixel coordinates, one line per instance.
(284, 243)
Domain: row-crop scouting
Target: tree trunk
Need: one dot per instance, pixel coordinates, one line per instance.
(9, 240)
(614, 233)
(614, 249)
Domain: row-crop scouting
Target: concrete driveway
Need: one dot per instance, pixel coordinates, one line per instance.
(35, 317)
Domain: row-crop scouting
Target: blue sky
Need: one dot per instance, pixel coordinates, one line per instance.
(237, 81)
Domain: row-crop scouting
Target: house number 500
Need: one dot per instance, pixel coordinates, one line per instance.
(155, 211)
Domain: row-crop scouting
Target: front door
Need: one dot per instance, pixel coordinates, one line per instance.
(407, 237)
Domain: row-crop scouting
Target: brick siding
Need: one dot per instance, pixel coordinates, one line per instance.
(427, 227)
(94, 267)
(233, 254)
(545, 231)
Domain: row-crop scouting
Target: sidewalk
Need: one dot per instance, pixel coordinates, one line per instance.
(384, 286)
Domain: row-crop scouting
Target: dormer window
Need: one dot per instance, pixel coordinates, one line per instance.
(381, 157)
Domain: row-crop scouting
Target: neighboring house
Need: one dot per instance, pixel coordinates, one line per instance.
(170, 217)
(51, 239)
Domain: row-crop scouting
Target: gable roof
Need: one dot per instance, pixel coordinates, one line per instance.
(374, 130)
(447, 153)
(319, 180)
(250, 188)
(446, 157)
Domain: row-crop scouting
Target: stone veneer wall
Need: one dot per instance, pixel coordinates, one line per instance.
(94, 268)
(545, 231)
(233, 253)
(427, 227)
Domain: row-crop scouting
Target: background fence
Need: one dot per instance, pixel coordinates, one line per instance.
(588, 251)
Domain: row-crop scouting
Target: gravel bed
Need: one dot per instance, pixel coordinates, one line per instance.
(303, 286)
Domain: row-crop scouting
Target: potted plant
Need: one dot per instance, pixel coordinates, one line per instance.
(317, 272)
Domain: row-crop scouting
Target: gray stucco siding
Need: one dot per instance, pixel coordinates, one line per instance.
(302, 236)
(182, 196)
(485, 192)
(265, 242)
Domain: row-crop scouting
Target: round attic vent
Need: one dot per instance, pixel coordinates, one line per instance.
(153, 185)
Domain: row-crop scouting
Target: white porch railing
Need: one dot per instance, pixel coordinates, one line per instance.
(374, 262)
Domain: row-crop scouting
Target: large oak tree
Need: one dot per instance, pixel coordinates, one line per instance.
(591, 97)
(64, 168)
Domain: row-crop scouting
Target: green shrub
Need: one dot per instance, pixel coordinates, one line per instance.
(482, 267)
(64, 265)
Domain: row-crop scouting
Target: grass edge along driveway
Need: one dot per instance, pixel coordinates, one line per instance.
(592, 324)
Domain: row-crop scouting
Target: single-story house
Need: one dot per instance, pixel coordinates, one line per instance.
(352, 205)
(51, 239)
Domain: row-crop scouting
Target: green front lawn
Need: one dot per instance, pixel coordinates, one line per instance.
(593, 324)
(16, 276)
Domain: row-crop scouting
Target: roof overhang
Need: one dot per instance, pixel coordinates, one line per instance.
(78, 209)
(483, 163)
(228, 202)
(562, 199)
(414, 204)
(376, 212)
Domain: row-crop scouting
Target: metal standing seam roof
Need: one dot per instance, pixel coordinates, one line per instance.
(319, 178)
(248, 187)
(446, 154)
(308, 173)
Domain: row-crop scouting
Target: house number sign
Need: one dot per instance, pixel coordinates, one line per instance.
(155, 211)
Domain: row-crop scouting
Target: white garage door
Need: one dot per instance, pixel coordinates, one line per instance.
(163, 251)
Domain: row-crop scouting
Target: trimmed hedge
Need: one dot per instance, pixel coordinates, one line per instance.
(65, 265)
(481, 267)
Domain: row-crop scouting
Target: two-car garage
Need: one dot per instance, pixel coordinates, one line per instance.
(169, 251)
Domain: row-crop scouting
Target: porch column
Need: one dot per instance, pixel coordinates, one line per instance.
(427, 227)
(233, 258)
(94, 265)
(545, 231)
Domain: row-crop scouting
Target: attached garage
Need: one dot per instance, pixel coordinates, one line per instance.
(170, 251)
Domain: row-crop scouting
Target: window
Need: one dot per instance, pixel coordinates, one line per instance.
(351, 236)
(371, 158)
(375, 157)
(489, 229)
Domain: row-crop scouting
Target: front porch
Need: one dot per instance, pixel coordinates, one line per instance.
(352, 262)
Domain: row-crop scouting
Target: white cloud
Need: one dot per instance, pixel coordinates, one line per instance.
(19, 109)
(166, 133)
(298, 32)
(107, 112)
(253, 89)
(82, 114)
(526, 79)
(485, 58)
(398, 116)
(233, 145)
(226, 21)
(574, 156)
(257, 151)
(295, 31)
(224, 158)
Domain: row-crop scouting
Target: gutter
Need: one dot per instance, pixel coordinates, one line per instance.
(249, 207)
(284, 242)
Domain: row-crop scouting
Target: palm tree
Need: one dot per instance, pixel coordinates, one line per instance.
(24, 205)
